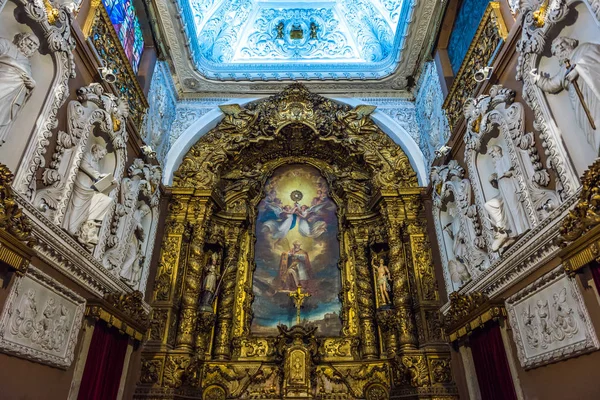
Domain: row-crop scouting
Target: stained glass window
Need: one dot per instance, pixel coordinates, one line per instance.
(125, 21)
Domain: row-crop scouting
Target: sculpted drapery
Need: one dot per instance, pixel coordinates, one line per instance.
(16, 78)
(579, 65)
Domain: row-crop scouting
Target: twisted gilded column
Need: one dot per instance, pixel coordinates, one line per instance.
(225, 303)
(199, 212)
(392, 210)
(366, 294)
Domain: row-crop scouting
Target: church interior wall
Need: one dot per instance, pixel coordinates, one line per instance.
(442, 163)
(546, 380)
(60, 252)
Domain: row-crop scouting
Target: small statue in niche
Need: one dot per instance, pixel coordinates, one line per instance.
(16, 79)
(383, 280)
(453, 229)
(456, 265)
(314, 28)
(131, 271)
(279, 29)
(89, 203)
(505, 210)
(579, 74)
(209, 284)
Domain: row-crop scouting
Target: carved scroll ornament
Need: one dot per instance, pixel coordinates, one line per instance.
(518, 154)
(538, 20)
(261, 121)
(60, 43)
(466, 258)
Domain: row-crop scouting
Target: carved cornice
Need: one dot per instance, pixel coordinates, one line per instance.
(16, 238)
(469, 312)
(123, 311)
(536, 248)
(62, 252)
(489, 36)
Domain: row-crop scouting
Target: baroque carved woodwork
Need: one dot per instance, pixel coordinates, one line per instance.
(580, 228)
(200, 336)
(16, 238)
(469, 312)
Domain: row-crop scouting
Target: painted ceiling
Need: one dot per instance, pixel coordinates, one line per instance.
(260, 40)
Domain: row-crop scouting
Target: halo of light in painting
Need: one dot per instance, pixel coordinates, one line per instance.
(296, 195)
(296, 245)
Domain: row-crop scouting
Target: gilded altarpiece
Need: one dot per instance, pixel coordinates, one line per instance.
(290, 197)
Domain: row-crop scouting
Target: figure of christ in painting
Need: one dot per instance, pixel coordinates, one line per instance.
(294, 268)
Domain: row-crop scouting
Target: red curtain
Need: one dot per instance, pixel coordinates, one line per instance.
(104, 364)
(491, 364)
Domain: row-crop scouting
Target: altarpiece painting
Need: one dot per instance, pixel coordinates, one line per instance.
(296, 246)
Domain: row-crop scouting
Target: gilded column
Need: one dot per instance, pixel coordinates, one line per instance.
(199, 212)
(393, 211)
(173, 250)
(225, 303)
(366, 294)
(417, 244)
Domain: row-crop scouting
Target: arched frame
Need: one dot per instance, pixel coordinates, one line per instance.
(211, 119)
(212, 208)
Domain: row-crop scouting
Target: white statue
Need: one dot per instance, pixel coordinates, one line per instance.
(505, 210)
(453, 229)
(456, 264)
(580, 75)
(131, 271)
(88, 205)
(458, 272)
(209, 285)
(16, 80)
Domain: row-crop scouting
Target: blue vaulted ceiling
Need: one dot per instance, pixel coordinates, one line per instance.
(291, 40)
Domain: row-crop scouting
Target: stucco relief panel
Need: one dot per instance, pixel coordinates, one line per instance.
(41, 320)
(550, 321)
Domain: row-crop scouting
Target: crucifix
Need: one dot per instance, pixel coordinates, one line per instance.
(299, 296)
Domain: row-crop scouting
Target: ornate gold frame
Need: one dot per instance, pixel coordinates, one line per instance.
(213, 204)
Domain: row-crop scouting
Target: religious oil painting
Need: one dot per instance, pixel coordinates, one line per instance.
(297, 250)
